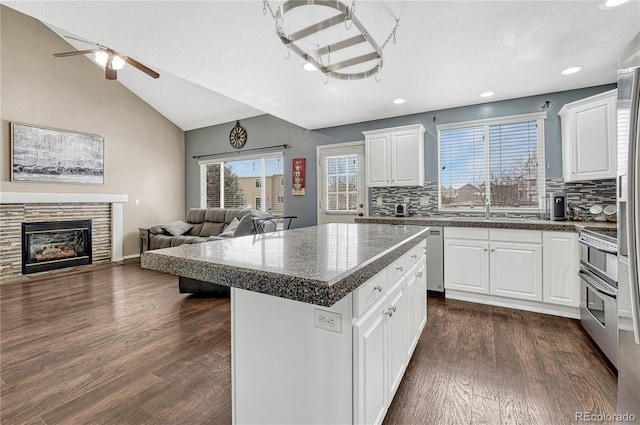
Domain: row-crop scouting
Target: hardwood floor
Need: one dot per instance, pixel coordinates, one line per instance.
(120, 345)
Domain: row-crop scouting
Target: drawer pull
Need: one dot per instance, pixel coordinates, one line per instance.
(414, 256)
(400, 268)
(377, 288)
(388, 313)
(393, 308)
(419, 274)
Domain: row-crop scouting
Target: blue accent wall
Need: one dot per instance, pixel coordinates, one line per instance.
(267, 130)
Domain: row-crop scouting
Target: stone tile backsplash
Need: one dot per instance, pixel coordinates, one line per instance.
(423, 200)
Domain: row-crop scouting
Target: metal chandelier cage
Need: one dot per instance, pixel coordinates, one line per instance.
(336, 44)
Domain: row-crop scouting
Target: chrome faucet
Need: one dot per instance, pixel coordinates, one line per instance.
(487, 209)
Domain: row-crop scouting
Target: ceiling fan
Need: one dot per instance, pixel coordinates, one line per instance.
(109, 58)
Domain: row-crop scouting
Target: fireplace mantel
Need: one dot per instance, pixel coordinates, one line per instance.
(116, 201)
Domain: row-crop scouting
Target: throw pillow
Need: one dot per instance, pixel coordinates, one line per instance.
(230, 229)
(245, 227)
(177, 228)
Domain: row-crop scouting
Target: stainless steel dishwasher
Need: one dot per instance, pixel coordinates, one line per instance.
(435, 261)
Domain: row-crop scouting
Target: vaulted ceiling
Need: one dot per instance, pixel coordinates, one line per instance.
(221, 60)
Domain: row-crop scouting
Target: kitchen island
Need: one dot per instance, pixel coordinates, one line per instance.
(324, 319)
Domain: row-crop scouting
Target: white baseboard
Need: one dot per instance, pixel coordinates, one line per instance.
(129, 257)
(536, 307)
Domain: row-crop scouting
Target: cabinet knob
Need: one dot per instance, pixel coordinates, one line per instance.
(393, 309)
(485, 250)
(414, 256)
(419, 274)
(399, 268)
(388, 313)
(377, 288)
(492, 250)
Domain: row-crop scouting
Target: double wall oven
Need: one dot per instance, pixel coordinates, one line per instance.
(599, 289)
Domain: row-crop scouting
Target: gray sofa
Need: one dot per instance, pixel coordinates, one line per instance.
(205, 225)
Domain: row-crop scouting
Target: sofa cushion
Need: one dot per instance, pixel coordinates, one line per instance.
(245, 226)
(211, 229)
(160, 241)
(186, 239)
(230, 229)
(177, 228)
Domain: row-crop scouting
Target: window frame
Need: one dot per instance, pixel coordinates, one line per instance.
(539, 117)
(224, 159)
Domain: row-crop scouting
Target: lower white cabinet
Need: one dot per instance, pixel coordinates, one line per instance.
(527, 269)
(370, 366)
(385, 336)
(561, 262)
(516, 270)
(466, 265)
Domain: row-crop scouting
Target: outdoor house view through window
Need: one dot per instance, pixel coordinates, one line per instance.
(256, 182)
(342, 183)
(499, 161)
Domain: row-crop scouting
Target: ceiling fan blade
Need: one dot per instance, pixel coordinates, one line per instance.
(79, 39)
(77, 52)
(150, 72)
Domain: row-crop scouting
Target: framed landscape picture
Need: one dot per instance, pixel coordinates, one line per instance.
(41, 154)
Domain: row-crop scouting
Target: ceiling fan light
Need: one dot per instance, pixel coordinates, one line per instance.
(117, 62)
(102, 58)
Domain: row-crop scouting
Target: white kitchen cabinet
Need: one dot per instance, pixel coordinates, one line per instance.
(560, 264)
(397, 322)
(370, 369)
(589, 138)
(382, 334)
(395, 156)
(516, 270)
(501, 262)
(466, 265)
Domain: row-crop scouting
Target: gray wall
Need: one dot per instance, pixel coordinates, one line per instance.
(267, 130)
(553, 141)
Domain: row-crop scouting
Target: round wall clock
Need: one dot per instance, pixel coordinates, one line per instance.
(238, 136)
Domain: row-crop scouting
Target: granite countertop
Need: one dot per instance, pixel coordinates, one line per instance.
(317, 264)
(494, 222)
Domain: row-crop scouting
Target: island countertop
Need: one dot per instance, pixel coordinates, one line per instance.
(318, 264)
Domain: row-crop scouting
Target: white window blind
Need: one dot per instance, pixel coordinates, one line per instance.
(501, 161)
(342, 183)
(254, 182)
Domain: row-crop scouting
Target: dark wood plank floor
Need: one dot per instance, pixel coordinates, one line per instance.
(120, 345)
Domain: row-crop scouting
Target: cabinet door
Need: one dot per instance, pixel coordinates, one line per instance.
(592, 145)
(397, 324)
(377, 160)
(466, 265)
(560, 265)
(412, 305)
(421, 295)
(370, 365)
(516, 270)
(404, 161)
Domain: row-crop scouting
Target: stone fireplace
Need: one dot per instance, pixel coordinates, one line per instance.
(104, 210)
(51, 245)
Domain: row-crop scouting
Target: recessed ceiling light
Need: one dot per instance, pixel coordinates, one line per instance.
(307, 66)
(487, 94)
(610, 4)
(399, 101)
(572, 70)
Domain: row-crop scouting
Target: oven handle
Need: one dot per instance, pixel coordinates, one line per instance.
(594, 284)
(599, 248)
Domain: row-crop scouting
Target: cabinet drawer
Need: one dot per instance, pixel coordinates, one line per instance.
(413, 255)
(466, 233)
(515, 235)
(397, 268)
(367, 294)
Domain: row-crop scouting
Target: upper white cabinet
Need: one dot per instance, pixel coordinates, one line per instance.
(589, 145)
(395, 156)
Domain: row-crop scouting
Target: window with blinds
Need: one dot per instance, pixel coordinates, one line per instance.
(342, 183)
(500, 161)
(254, 182)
